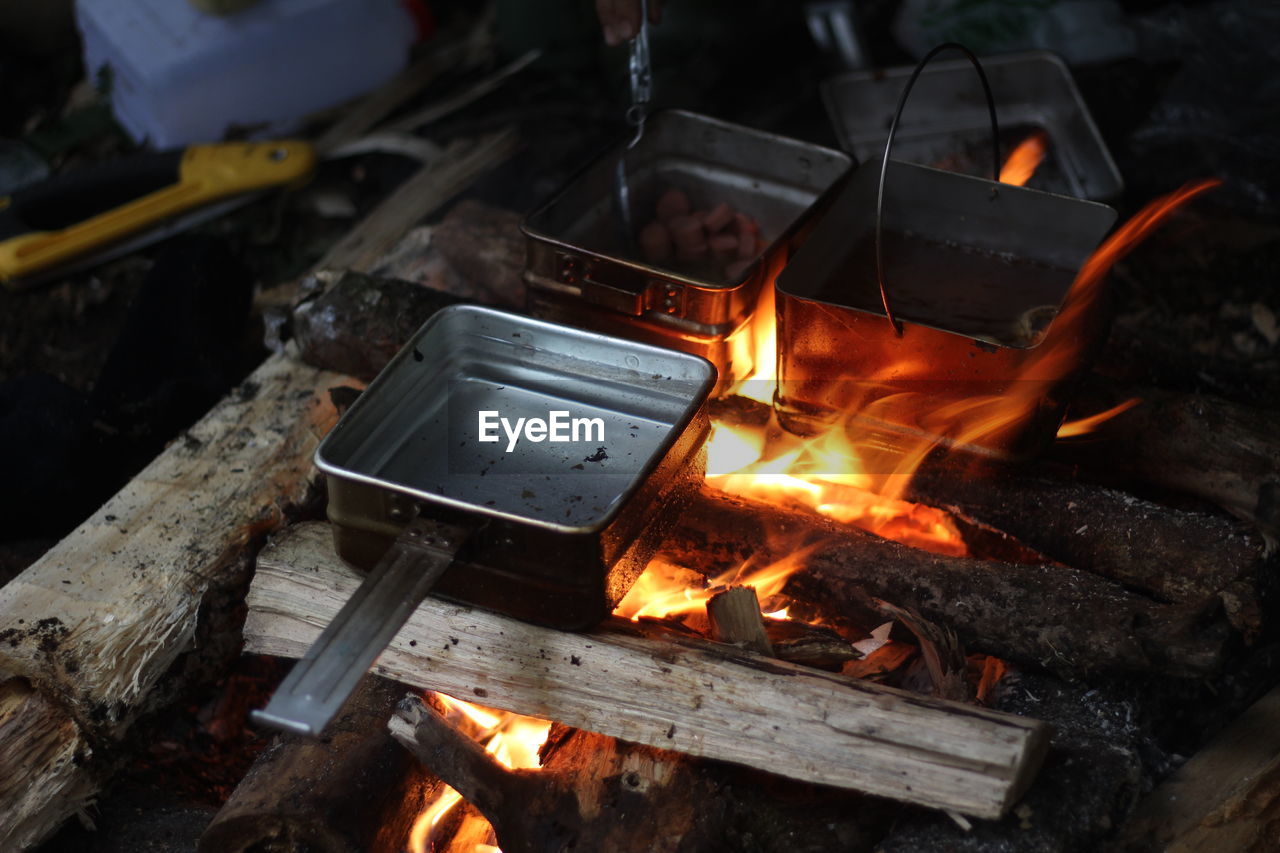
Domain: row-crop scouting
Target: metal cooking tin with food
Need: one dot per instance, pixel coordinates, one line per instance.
(580, 271)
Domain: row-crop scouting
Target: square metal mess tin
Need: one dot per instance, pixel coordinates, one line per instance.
(562, 528)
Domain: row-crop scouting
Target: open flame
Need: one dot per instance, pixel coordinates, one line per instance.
(1084, 426)
(513, 740)
(1024, 159)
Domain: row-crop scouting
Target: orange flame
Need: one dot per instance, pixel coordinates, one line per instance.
(512, 740)
(1084, 426)
(1024, 159)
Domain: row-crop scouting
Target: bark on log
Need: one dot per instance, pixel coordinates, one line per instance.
(598, 793)
(672, 691)
(1053, 616)
(356, 323)
(354, 791)
(1227, 797)
(96, 623)
(1174, 555)
(1220, 451)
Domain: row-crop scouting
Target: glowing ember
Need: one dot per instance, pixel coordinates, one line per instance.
(511, 739)
(1024, 159)
(1084, 426)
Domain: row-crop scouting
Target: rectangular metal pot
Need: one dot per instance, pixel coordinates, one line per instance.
(559, 534)
(946, 123)
(579, 274)
(991, 265)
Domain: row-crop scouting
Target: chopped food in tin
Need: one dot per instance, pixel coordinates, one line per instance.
(719, 242)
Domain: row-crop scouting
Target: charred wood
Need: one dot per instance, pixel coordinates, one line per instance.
(355, 790)
(1051, 616)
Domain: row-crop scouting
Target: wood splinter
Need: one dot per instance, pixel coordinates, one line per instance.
(735, 619)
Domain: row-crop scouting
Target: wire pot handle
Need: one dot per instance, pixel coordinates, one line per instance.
(888, 145)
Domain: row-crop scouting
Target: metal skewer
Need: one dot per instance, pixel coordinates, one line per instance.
(641, 94)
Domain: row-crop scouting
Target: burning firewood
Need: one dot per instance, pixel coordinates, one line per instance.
(669, 691)
(1013, 611)
(355, 790)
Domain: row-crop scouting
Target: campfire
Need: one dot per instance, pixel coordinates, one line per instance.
(906, 558)
(836, 475)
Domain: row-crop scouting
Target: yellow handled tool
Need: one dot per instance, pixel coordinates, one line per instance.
(94, 212)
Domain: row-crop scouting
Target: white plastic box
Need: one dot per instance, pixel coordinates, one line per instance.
(178, 76)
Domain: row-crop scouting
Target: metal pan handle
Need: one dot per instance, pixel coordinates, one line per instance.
(318, 685)
(888, 146)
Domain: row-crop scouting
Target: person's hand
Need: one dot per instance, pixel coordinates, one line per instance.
(620, 19)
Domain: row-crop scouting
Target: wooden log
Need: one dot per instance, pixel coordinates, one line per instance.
(1175, 555)
(96, 622)
(1222, 452)
(594, 792)
(811, 645)
(354, 323)
(674, 692)
(354, 791)
(1227, 797)
(1051, 616)
(485, 245)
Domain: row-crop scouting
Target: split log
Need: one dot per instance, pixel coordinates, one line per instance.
(1227, 797)
(1204, 446)
(594, 792)
(95, 624)
(1051, 616)
(356, 790)
(671, 691)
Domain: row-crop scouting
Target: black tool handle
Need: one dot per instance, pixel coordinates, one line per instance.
(64, 200)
